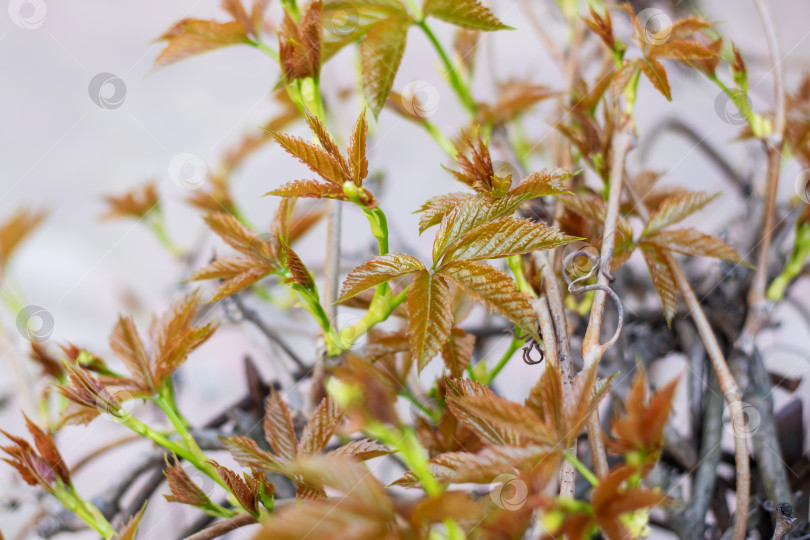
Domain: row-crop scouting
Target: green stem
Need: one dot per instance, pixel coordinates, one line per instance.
(378, 311)
(456, 82)
(85, 510)
(407, 394)
(272, 53)
(516, 264)
(513, 347)
(794, 265)
(157, 226)
(583, 470)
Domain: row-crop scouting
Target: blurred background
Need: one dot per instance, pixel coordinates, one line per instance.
(84, 115)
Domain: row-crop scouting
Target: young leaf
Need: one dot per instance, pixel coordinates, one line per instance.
(300, 274)
(14, 230)
(430, 316)
(376, 271)
(190, 37)
(130, 529)
(505, 415)
(466, 13)
(543, 183)
(320, 427)
(471, 214)
(457, 351)
(357, 150)
(381, 53)
(246, 490)
(641, 428)
(681, 50)
(126, 343)
(278, 427)
(676, 208)
(299, 46)
(360, 450)
(657, 75)
(248, 454)
(696, 243)
(495, 290)
(309, 189)
(662, 277)
(183, 488)
(238, 236)
(136, 203)
(319, 160)
(505, 237)
(434, 210)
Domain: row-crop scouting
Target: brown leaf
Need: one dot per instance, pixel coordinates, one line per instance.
(136, 203)
(676, 208)
(238, 236)
(434, 210)
(505, 237)
(457, 351)
(88, 395)
(458, 505)
(357, 150)
(470, 214)
(514, 98)
(681, 50)
(245, 491)
(495, 290)
(14, 230)
(465, 13)
(278, 427)
(320, 427)
(46, 447)
(641, 428)
(361, 450)
(657, 75)
(248, 454)
(239, 282)
(430, 316)
(694, 242)
(318, 159)
(381, 53)
(190, 37)
(510, 418)
(326, 141)
(49, 364)
(300, 44)
(309, 189)
(376, 271)
(183, 488)
(543, 183)
(601, 26)
(130, 529)
(126, 343)
(662, 277)
(609, 501)
(300, 275)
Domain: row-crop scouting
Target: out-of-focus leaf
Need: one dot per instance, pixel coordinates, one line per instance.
(320, 427)
(278, 427)
(136, 203)
(190, 37)
(641, 428)
(248, 454)
(126, 343)
(300, 44)
(361, 450)
(14, 230)
(430, 316)
(662, 277)
(681, 50)
(466, 13)
(696, 243)
(381, 53)
(130, 529)
(676, 208)
(657, 75)
(183, 488)
(457, 351)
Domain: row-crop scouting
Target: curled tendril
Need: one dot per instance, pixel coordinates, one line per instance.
(533, 345)
(573, 288)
